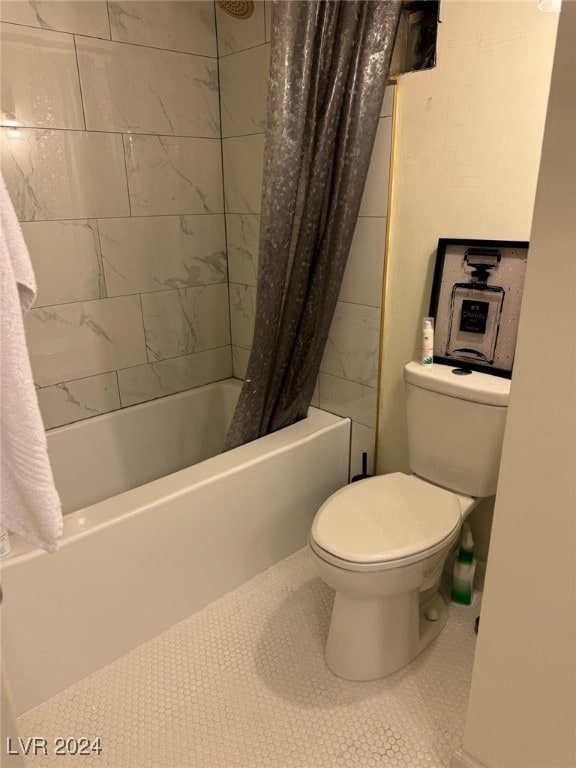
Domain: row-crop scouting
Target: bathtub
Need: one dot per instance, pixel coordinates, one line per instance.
(159, 524)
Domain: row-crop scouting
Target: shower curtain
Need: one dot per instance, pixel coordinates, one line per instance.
(329, 66)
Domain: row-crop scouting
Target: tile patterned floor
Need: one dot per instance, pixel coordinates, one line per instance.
(243, 684)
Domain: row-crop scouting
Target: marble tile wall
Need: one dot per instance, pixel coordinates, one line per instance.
(349, 372)
(244, 60)
(348, 379)
(111, 150)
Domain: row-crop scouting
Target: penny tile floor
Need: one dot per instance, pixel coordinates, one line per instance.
(243, 684)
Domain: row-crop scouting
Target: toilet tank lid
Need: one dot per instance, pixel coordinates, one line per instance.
(477, 387)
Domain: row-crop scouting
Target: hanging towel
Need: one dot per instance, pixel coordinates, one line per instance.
(30, 505)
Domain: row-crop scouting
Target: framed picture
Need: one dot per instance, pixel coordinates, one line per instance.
(476, 298)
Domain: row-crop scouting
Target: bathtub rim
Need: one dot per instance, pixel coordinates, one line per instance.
(116, 509)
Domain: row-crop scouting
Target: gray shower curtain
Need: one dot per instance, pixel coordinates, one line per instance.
(329, 66)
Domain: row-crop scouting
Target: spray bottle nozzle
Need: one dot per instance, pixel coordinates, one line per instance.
(466, 551)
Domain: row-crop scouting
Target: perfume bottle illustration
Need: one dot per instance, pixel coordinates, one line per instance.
(476, 308)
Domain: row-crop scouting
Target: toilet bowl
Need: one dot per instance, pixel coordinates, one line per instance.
(381, 544)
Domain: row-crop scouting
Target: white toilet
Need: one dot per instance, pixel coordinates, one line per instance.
(381, 543)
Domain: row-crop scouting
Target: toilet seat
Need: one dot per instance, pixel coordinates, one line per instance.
(385, 522)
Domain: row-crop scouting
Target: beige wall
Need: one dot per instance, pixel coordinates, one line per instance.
(468, 136)
(522, 711)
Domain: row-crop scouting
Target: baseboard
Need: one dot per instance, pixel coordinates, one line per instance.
(461, 759)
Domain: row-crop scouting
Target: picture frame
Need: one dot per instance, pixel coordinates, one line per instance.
(475, 302)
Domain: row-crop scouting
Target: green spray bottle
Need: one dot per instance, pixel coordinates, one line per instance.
(464, 567)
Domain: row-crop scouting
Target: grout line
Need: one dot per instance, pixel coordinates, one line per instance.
(342, 378)
(118, 386)
(126, 173)
(129, 367)
(244, 135)
(358, 304)
(174, 357)
(101, 260)
(143, 328)
(223, 178)
(120, 132)
(50, 29)
(385, 271)
(126, 218)
(265, 11)
(107, 39)
(78, 378)
(109, 23)
(243, 50)
(148, 47)
(135, 293)
(244, 285)
(218, 57)
(80, 88)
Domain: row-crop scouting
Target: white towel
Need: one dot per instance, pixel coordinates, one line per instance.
(30, 505)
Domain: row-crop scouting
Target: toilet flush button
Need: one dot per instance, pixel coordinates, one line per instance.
(432, 613)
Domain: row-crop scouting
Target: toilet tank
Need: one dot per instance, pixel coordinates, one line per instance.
(456, 426)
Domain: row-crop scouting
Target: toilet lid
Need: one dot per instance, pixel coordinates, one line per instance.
(383, 518)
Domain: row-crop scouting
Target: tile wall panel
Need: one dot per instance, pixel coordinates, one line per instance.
(168, 175)
(244, 64)
(184, 321)
(80, 399)
(352, 348)
(388, 102)
(347, 398)
(242, 313)
(67, 260)
(135, 89)
(362, 283)
(52, 97)
(240, 358)
(154, 253)
(53, 174)
(174, 25)
(375, 199)
(123, 213)
(242, 233)
(243, 159)
(166, 377)
(81, 17)
(268, 5)
(243, 91)
(70, 341)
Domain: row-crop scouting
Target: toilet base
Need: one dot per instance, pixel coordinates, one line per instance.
(374, 637)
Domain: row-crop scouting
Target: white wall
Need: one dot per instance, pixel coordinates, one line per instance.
(522, 711)
(467, 147)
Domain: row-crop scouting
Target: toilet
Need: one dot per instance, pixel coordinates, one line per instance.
(381, 543)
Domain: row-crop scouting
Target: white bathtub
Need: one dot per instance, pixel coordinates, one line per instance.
(135, 560)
